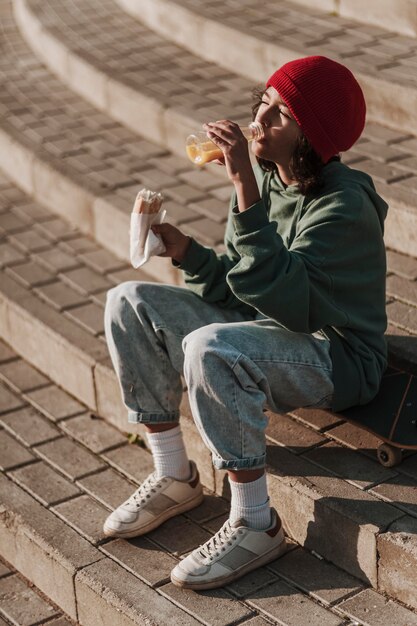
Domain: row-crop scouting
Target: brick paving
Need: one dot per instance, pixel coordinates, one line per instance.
(76, 496)
(61, 276)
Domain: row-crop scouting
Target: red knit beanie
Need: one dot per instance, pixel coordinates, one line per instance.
(325, 100)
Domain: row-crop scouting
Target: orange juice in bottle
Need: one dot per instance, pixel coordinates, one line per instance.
(200, 149)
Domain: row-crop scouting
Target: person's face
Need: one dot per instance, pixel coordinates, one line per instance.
(280, 130)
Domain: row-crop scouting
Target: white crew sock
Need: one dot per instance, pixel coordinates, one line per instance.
(251, 501)
(169, 453)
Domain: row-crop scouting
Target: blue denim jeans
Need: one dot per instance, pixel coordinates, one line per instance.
(235, 367)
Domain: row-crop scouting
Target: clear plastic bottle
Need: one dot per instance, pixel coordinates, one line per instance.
(200, 149)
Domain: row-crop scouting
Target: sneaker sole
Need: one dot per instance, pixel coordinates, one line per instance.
(225, 580)
(171, 512)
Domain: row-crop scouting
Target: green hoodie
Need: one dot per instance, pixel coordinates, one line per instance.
(310, 263)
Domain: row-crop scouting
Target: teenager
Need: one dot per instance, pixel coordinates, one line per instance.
(291, 315)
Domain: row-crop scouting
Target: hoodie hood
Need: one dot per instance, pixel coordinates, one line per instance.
(337, 175)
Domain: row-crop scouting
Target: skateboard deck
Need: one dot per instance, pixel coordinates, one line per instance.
(391, 415)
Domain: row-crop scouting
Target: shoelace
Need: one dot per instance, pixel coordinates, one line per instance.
(143, 493)
(212, 547)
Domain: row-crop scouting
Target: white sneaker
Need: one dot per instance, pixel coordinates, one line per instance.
(232, 552)
(153, 503)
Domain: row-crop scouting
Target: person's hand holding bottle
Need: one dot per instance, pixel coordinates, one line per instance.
(229, 138)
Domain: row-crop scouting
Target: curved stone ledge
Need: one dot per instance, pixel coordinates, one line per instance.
(397, 15)
(393, 15)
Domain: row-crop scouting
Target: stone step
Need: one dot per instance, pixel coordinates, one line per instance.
(323, 473)
(399, 16)
(74, 358)
(254, 41)
(22, 604)
(64, 469)
(166, 95)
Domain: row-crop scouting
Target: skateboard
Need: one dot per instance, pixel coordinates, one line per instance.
(391, 416)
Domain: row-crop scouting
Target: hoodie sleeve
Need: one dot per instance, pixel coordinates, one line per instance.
(205, 271)
(295, 286)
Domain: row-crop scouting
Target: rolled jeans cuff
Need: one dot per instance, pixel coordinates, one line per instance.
(254, 462)
(134, 417)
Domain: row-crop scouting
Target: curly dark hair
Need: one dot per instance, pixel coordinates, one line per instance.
(305, 166)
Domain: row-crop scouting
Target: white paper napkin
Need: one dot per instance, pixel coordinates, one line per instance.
(143, 242)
